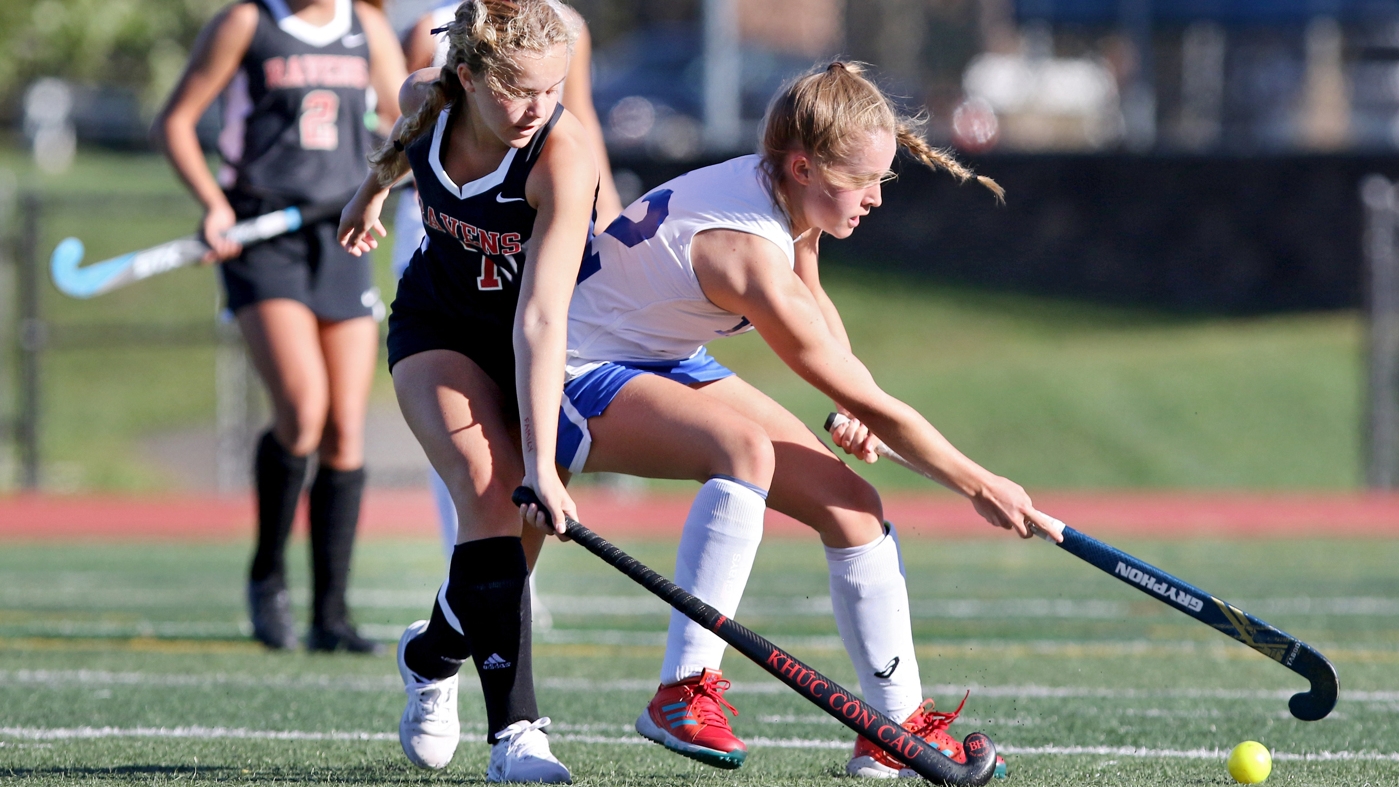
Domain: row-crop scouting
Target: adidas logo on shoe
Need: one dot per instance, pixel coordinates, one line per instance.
(494, 661)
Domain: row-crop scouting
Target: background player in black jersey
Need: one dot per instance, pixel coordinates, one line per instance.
(297, 77)
(476, 348)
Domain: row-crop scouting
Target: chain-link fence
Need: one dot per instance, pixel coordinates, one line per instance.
(83, 379)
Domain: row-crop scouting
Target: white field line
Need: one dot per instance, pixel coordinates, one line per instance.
(60, 679)
(1194, 754)
(240, 733)
(79, 596)
(1215, 648)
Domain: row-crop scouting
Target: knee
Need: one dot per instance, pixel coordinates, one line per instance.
(482, 501)
(854, 513)
(342, 444)
(858, 495)
(300, 428)
(747, 454)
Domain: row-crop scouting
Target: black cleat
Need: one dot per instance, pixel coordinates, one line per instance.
(269, 607)
(341, 639)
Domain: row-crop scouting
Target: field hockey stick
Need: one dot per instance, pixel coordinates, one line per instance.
(103, 277)
(825, 693)
(1271, 641)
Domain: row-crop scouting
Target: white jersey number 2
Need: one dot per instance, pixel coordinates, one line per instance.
(320, 111)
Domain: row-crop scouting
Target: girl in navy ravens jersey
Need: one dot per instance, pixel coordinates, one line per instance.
(423, 49)
(476, 347)
(297, 76)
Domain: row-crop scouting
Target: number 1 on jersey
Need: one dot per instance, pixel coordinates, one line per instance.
(490, 277)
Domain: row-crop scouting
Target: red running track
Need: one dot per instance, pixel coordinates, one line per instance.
(399, 513)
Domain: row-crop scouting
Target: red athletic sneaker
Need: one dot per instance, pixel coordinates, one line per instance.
(688, 719)
(870, 761)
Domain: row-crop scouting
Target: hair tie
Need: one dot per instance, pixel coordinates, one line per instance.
(398, 145)
(439, 30)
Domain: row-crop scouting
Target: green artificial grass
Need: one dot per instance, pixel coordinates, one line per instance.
(125, 664)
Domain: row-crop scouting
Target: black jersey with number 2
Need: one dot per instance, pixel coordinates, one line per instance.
(295, 114)
(468, 269)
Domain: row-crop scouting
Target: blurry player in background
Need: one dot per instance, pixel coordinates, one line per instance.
(423, 49)
(299, 80)
(717, 252)
(506, 180)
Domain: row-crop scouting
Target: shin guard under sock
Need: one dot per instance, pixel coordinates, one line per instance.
(278, 476)
(717, 548)
(334, 513)
(485, 604)
(870, 600)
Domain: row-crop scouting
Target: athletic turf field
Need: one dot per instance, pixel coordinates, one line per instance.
(124, 663)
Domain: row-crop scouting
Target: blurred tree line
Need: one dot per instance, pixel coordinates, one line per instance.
(140, 45)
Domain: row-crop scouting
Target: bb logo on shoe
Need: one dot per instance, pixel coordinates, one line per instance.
(494, 661)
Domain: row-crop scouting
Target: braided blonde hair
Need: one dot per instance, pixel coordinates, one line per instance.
(486, 36)
(827, 111)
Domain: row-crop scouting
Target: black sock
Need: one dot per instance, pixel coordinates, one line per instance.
(488, 591)
(335, 502)
(439, 651)
(279, 477)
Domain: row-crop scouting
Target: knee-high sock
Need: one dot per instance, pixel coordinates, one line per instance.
(279, 477)
(716, 554)
(483, 611)
(334, 513)
(872, 615)
(446, 511)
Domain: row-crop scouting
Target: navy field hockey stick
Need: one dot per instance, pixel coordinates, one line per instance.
(103, 277)
(825, 693)
(1222, 616)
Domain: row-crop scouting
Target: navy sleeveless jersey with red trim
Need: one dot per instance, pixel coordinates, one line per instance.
(304, 137)
(467, 270)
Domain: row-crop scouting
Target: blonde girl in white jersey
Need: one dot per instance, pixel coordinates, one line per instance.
(731, 248)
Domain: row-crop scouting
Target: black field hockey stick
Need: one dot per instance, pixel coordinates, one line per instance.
(825, 693)
(103, 277)
(1271, 641)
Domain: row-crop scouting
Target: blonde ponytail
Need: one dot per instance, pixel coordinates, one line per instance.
(827, 112)
(907, 135)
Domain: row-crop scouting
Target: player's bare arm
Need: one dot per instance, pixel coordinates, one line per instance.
(561, 188)
(747, 275)
(386, 64)
(359, 222)
(217, 52)
(854, 437)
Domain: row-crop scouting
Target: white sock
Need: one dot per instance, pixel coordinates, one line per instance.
(716, 554)
(870, 600)
(446, 511)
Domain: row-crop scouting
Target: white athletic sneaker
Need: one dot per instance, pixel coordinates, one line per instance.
(521, 754)
(429, 730)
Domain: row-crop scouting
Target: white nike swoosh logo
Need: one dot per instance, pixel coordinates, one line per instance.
(499, 198)
(353, 40)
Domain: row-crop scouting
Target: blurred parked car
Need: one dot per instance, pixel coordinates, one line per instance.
(649, 91)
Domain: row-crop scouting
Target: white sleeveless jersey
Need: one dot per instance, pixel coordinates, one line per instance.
(637, 297)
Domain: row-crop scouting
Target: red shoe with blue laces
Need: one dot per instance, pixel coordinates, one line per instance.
(688, 718)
